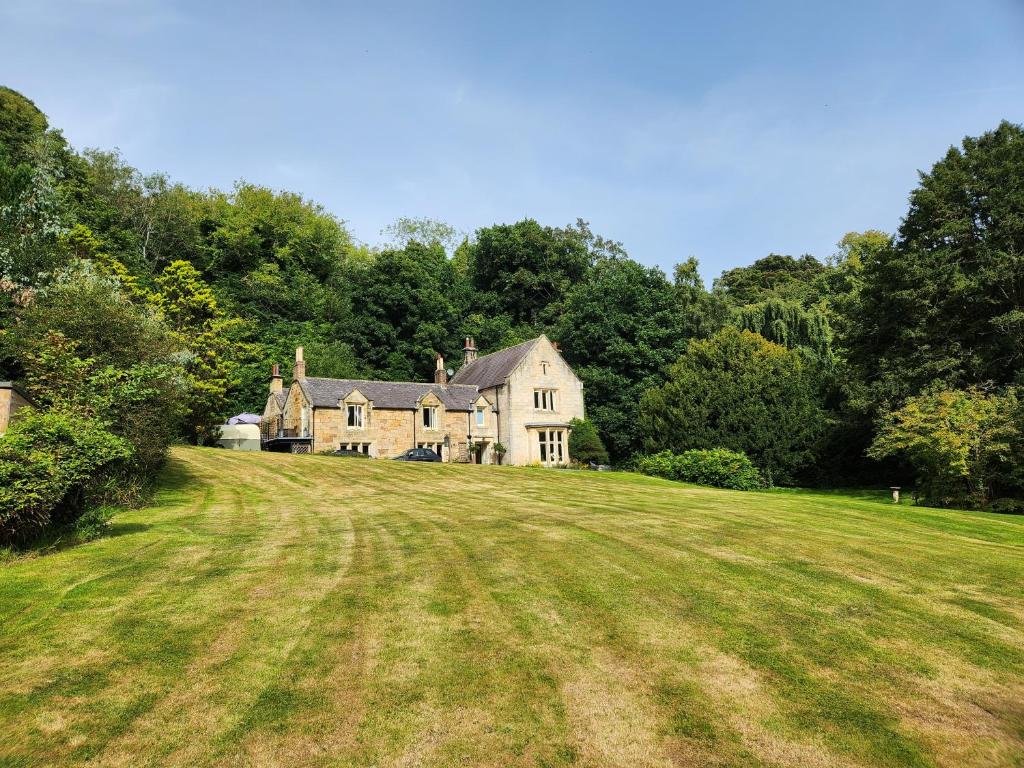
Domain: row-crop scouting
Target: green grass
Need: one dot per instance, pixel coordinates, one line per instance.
(279, 610)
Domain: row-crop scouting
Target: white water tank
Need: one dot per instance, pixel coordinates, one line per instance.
(240, 437)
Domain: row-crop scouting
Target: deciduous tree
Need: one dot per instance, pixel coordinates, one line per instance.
(962, 443)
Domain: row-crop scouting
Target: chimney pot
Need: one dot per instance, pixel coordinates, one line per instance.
(440, 374)
(276, 384)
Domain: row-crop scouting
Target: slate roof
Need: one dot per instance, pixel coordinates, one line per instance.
(282, 398)
(396, 395)
(491, 370)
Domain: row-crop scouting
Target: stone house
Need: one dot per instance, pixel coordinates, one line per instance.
(521, 398)
(11, 399)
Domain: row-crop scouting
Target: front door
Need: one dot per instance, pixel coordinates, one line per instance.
(478, 453)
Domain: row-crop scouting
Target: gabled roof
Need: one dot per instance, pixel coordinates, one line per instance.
(396, 395)
(282, 398)
(491, 370)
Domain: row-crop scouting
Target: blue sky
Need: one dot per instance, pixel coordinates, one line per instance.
(724, 130)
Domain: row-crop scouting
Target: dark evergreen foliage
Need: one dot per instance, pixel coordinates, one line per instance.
(738, 391)
(585, 444)
(945, 304)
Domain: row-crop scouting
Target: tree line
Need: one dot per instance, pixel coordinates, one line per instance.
(152, 310)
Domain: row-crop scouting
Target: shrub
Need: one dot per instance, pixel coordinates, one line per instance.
(48, 462)
(1007, 506)
(656, 465)
(585, 444)
(84, 346)
(717, 467)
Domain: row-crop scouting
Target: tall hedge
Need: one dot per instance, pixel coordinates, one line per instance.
(48, 463)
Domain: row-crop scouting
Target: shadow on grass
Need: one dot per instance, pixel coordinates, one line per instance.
(174, 476)
(125, 529)
(173, 479)
(877, 495)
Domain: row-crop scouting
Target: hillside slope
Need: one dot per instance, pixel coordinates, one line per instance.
(278, 610)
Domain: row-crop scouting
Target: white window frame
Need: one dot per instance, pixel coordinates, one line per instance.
(359, 411)
(545, 400)
(481, 416)
(357, 446)
(430, 417)
(552, 447)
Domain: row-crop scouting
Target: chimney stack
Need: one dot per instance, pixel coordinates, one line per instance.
(440, 374)
(276, 384)
(299, 371)
(469, 351)
(555, 345)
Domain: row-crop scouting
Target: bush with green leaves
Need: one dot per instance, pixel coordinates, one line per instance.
(49, 462)
(83, 346)
(585, 444)
(1007, 506)
(93, 523)
(718, 467)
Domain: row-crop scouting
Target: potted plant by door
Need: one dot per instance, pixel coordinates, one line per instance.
(500, 451)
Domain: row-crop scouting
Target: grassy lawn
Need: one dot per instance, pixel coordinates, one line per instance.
(279, 610)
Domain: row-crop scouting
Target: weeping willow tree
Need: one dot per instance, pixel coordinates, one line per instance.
(788, 324)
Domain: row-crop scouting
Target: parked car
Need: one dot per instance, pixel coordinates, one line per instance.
(349, 452)
(418, 454)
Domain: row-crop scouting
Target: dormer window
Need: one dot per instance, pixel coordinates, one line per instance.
(356, 413)
(481, 416)
(429, 417)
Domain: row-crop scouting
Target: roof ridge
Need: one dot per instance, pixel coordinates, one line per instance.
(386, 381)
(489, 370)
(506, 349)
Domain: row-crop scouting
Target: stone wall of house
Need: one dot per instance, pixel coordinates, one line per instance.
(271, 418)
(293, 409)
(523, 446)
(498, 397)
(271, 409)
(455, 424)
(10, 402)
(389, 432)
(394, 430)
(6, 396)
